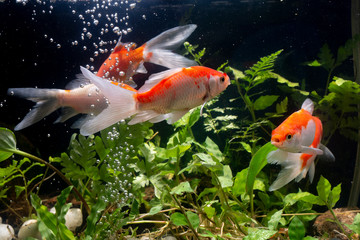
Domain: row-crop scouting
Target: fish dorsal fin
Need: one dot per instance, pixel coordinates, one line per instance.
(79, 81)
(156, 78)
(308, 105)
(119, 45)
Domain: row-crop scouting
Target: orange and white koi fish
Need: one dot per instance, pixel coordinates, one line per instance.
(122, 63)
(83, 98)
(165, 96)
(127, 60)
(298, 141)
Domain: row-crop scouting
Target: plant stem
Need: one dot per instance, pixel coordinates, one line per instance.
(338, 223)
(28, 155)
(328, 79)
(184, 213)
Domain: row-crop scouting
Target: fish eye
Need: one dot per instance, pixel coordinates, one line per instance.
(288, 137)
(222, 79)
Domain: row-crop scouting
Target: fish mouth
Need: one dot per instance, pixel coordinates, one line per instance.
(276, 144)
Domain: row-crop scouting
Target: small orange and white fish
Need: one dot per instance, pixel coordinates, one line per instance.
(298, 140)
(82, 98)
(126, 60)
(165, 96)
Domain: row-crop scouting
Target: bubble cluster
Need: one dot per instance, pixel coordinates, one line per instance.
(118, 189)
(103, 23)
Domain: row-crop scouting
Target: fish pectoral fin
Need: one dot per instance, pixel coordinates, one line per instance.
(311, 150)
(141, 69)
(327, 156)
(66, 113)
(175, 116)
(291, 168)
(144, 116)
(286, 175)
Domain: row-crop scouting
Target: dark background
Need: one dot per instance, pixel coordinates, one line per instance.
(238, 31)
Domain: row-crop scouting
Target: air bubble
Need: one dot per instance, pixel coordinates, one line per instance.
(116, 29)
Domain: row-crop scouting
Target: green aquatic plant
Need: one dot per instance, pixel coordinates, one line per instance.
(340, 104)
(191, 50)
(8, 148)
(129, 176)
(52, 226)
(328, 60)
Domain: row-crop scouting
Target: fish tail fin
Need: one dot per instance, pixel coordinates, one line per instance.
(121, 105)
(308, 105)
(159, 49)
(291, 167)
(46, 103)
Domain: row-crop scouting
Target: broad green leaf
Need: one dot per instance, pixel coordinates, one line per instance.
(148, 150)
(225, 177)
(7, 143)
(189, 119)
(178, 219)
(48, 223)
(154, 210)
(311, 198)
(323, 188)
(19, 190)
(210, 211)
(259, 234)
(264, 102)
(61, 207)
(100, 148)
(309, 238)
(93, 218)
(314, 63)
(207, 191)
(282, 107)
(283, 80)
(326, 58)
(355, 226)
(257, 163)
(181, 188)
(239, 186)
(237, 73)
(193, 219)
(344, 52)
(206, 159)
(259, 184)
(134, 212)
(5, 155)
(335, 195)
(274, 220)
(296, 229)
(246, 146)
(292, 198)
(212, 148)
